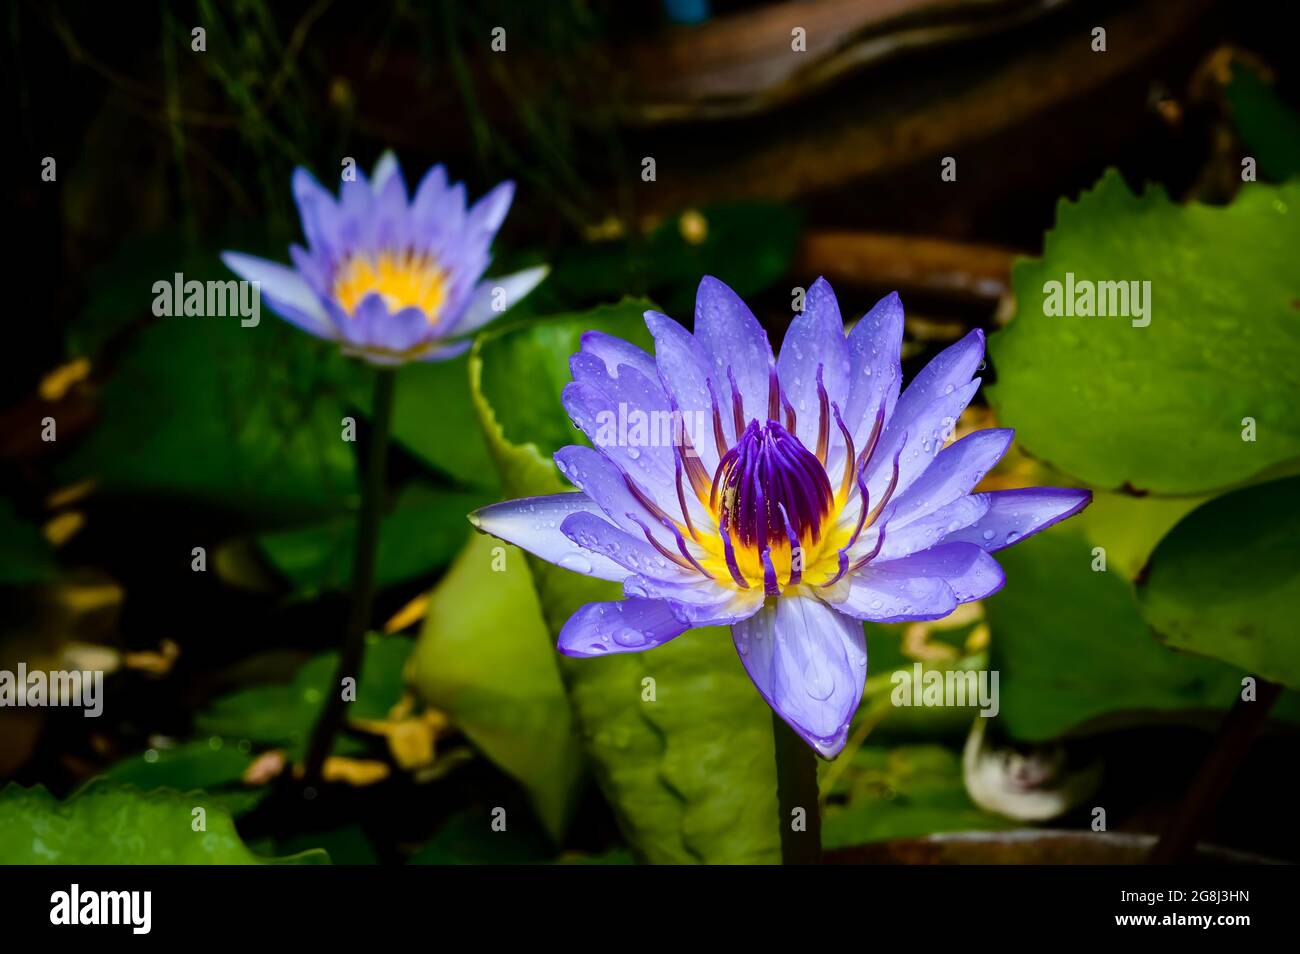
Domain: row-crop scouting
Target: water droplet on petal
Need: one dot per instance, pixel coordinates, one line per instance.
(818, 682)
(576, 562)
(988, 534)
(629, 637)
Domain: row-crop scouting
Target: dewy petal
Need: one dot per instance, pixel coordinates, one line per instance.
(634, 554)
(875, 372)
(809, 662)
(815, 339)
(533, 523)
(870, 594)
(607, 409)
(683, 368)
(920, 441)
(925, 585)
(699, 603)
(624, 626)
(731, 337)
(513, 289)
(615, 351)
(970, 573)
(954, 472)
(1016, 514)
(949, 370)
(284, 290)
(925, 531)
(602, 480)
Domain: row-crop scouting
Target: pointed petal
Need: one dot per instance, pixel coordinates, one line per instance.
(509, 290)
(1016, 514)
(809, 662)
(284, 290)
(815, 339)
(533, 523)
(875, 373)
(634, 554)
(615, 351)
(731, 337)
(683, 368)
(625, 626)
(957, 469)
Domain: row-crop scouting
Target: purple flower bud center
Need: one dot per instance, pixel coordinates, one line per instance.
(767, 471)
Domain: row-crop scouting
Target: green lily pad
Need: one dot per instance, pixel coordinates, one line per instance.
(691, 775)
(1075, 655)
(1225, 583)
(106, 823)
(486, 658)
(902, 792)
(1161, 408)
(247, 420)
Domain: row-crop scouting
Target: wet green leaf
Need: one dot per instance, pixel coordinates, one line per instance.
(1162, 408)
(1225, 583)
(902, 792)
(1074, 654)
(106, 823)
(486, 658)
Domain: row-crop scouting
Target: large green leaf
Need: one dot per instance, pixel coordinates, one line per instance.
(485, 657)
(421, 534)
(903, 792)
(691, 775)
(244, 419)
(1225, 583)
(1160, 407)
(1074, 654)
(113, 824)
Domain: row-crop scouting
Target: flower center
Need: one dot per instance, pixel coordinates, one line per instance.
(772, 489)
(405, 279)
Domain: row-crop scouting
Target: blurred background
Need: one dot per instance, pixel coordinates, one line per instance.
(777, 157)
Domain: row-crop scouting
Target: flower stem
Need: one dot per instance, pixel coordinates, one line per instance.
(796, 791)
(1239, 728)
(363, 578)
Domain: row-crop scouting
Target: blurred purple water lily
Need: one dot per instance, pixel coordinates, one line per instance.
(392, 279)
(812, 497)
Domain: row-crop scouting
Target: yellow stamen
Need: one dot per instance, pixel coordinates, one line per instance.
(405, 279)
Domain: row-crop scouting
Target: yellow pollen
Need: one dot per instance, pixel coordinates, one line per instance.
(405, 279)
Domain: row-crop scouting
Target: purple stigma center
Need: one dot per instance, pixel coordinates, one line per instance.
(769, 471)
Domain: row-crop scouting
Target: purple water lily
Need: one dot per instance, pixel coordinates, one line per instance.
(814, 496)
(392, 279)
